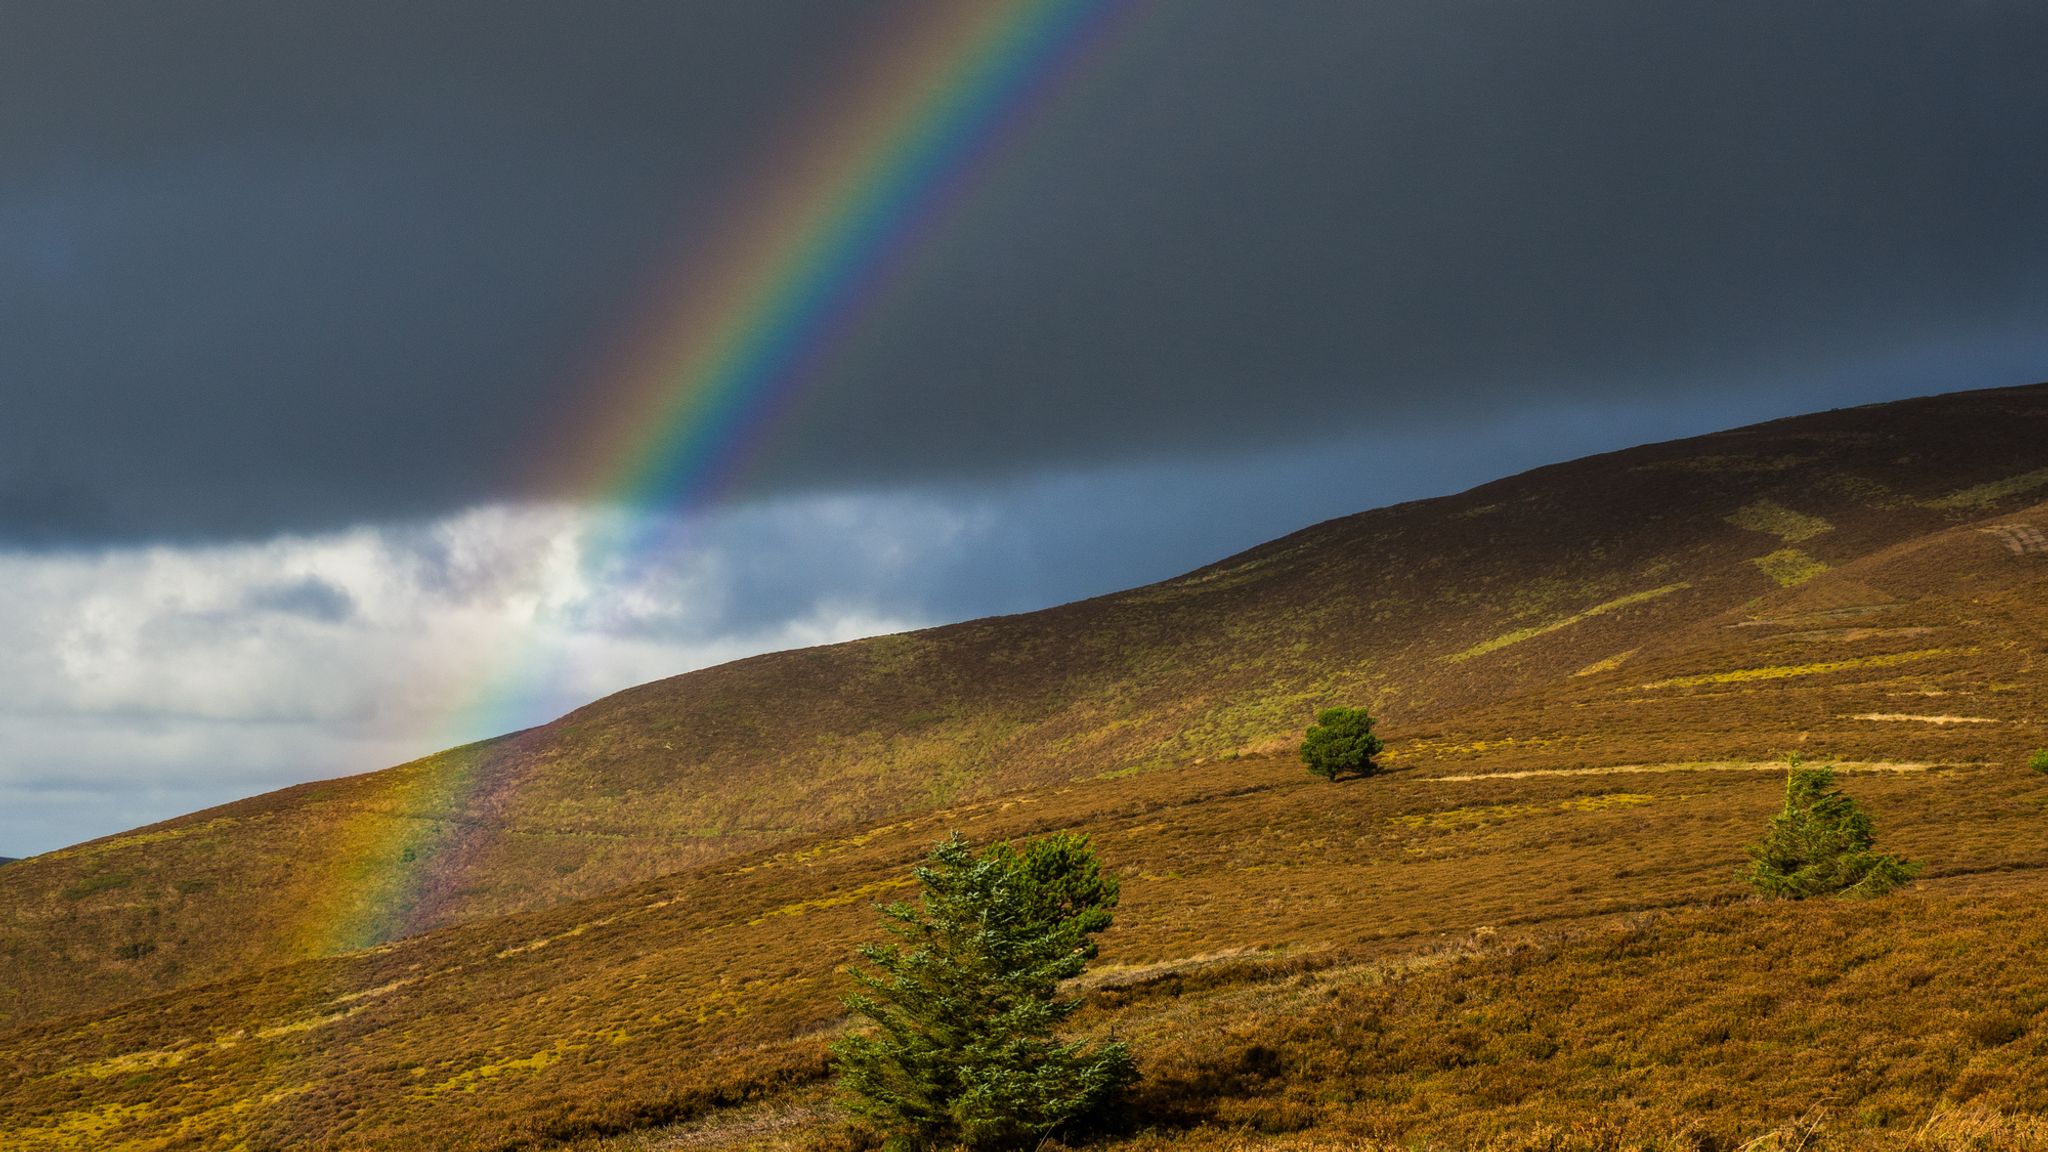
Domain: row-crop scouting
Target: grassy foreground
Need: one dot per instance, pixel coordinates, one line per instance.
(1528, 935)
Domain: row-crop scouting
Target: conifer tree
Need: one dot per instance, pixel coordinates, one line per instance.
(963, 1003)
(1340, 742)
(1820, 843)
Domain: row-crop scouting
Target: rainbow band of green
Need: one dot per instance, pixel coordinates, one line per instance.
(825, 266)
(723, 357)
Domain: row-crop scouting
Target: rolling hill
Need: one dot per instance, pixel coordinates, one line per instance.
(1589, 676)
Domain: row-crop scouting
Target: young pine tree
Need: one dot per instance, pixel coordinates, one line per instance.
(1820, 843)
(964, 1006)
(1341, 742)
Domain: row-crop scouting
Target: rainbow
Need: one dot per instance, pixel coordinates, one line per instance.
(728, 347)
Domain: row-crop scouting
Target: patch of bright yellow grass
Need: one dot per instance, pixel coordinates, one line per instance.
(130, 1063)
(538, 1062)
(1985, 495)
(1774, 519)
(1783, 671)
(799, 907)
(1443, 748)
(1789, 566)
(92, 1129)
(1607, 665)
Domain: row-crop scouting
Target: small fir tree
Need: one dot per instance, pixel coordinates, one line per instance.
(963, 1006)
(1820, 843)
(2040, 761)
(1341, 742)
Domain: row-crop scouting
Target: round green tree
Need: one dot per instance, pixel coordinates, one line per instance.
(1341, 743)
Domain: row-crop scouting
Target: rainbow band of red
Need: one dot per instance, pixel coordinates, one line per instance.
(732, 342)
(825, 241)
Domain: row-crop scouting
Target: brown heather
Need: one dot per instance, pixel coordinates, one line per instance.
(1528, 934)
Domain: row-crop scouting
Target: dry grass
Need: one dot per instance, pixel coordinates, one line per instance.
(637, 920)
(1242, 881)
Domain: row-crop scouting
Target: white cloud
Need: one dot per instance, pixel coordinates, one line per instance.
(143, 682)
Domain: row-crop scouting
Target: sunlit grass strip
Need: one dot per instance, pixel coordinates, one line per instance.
(1607, 665)
(1985, 495)
(89, 1128)
(1438, 749)
(1774, 519)
(1785, 671)
(1912, 718)
(1521, 634)
(1685, 766)
(137, 840)
(1789, 566)
(1489, 813)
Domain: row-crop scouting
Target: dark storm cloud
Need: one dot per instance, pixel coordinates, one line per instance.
(272, 266)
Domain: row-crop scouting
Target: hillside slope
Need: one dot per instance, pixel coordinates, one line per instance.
(1457, 951)
(1447, 616)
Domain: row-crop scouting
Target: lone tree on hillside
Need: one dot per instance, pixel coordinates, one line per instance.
(963, 1004)
(1820, 843)
(1340, 742)
(2040, 761)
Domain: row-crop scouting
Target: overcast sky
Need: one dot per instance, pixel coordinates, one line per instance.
(299, 299)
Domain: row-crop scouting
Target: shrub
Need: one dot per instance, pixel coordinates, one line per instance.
(1820, 844)
(2040, 761)
(964, 1007)
(1340, 742)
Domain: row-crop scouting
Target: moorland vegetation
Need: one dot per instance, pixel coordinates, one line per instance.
(1529, 932)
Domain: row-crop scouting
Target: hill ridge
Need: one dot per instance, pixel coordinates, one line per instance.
(652, 893)
(1529, 578)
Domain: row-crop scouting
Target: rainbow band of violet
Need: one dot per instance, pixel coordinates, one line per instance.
(723, 357)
